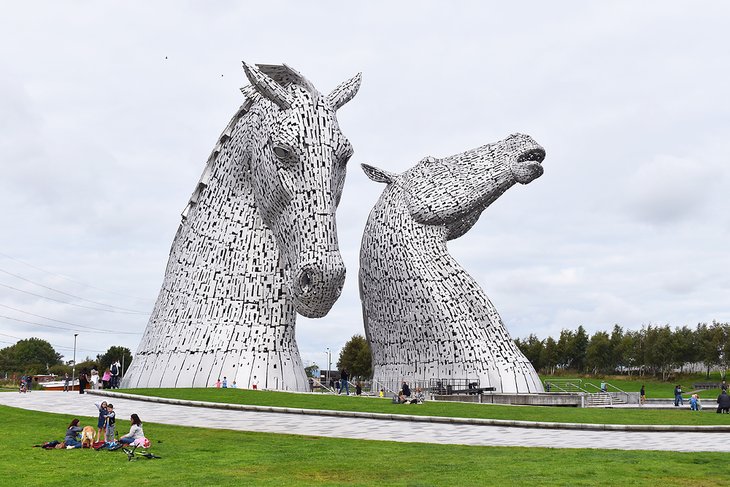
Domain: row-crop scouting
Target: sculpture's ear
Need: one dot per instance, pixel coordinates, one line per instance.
(378, 175)
(345, 91)
(267, 87)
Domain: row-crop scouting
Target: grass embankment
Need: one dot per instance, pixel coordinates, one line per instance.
(655, 389)
(197, 456)
(460, 410)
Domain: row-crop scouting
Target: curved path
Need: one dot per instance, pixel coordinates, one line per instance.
(75, 404)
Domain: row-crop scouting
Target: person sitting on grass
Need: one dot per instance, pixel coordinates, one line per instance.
(72, 439)
(420, 397)
(134, 432)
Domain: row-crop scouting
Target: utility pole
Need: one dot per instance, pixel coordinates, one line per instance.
(73, 369)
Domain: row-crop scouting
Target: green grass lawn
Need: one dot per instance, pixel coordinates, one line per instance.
(430, 408)
(201, 457)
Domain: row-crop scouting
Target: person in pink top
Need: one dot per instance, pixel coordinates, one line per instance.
(106, 378)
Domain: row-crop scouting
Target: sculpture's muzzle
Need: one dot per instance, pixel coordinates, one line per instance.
(527, 167)
(316, 284)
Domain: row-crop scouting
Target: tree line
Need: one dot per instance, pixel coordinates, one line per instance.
(654, 350)
(37, 356)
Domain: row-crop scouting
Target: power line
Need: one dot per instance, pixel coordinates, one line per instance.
(73, 280)
(54, 346)
(88, 330)
(68, 294)
(72, 304)
(66, 322)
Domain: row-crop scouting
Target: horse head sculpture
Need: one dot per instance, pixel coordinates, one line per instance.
(454, 191)
(296, 156)
(425, 317)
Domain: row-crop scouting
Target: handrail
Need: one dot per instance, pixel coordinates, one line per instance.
(575, 383)
(317, 381)
(611, 385)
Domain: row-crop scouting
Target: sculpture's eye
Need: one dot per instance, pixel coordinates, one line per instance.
(281, 152)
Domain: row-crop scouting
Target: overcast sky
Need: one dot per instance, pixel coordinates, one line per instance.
(109, 110)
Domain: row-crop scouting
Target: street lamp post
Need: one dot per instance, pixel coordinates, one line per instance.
(73, 368)
(328, 366)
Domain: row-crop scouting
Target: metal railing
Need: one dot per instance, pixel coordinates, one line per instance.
(565, 385)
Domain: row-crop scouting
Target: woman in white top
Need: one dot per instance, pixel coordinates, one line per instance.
(94, 379)
(134, 432)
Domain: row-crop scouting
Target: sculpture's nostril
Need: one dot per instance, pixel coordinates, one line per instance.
(305, 281)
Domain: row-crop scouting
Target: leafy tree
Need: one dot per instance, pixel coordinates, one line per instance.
(632, 350)
(618, 359)
(565, 343)
(32, 355)
(355, 356)
(549, 357)
(122, 354)
(660, 354)
(311, 370)
(579, 348)
(686, 347)
(532, 349)
(598, 353)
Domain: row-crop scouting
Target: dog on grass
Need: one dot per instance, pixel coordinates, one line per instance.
(87, 437)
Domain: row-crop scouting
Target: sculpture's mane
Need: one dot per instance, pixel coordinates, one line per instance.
(282, 74)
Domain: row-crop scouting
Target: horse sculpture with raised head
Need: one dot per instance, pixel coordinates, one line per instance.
(257, 243)
(425, 317)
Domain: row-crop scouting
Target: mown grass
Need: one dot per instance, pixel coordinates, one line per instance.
(461, 410)
(201, 457)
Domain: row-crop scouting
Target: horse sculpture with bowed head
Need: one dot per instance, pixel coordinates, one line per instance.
(425, 317)
(257, 243)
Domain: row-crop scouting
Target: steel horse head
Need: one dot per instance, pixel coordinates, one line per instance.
(296, 156)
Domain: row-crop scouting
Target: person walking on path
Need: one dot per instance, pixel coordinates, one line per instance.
(224, 384)
(678, 401)
(343, 382)
(115, 370)
(94, 378)
(66, 382)
(106, 379)
(723, 386)
(83, 381)
(642, 395)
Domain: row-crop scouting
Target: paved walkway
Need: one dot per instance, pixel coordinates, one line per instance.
(75, 404)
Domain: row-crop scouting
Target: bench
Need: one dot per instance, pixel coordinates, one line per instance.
(706, 385)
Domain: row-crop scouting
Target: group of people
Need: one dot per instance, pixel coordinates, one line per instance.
(109, 380)
(223, 384)
(106, 429)
(26, 383)
(695, 404)
(404, 395)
